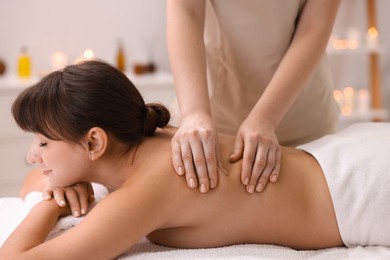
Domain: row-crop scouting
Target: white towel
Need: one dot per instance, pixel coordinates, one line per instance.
(13, 210)
(355, 162)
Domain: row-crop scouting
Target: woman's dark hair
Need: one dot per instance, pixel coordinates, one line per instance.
(65, 104)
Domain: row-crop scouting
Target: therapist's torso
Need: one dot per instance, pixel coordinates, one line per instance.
(245, 43)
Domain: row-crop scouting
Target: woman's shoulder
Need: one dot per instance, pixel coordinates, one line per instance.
(153, 160)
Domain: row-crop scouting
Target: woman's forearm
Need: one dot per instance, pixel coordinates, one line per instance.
(185, 23)
(33, 230)
(305, 52)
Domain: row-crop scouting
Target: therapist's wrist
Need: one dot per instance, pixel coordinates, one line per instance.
(196, 115)
(267, 122)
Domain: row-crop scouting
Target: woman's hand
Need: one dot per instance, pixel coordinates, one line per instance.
(78, 197)
(195, 152)
(258, 146)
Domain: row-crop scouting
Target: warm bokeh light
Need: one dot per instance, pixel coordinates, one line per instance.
(338, 95)
(58, 60)
(372, 32)
(344, 44)
(88, 54)
(346, 111)
(349, 92)
(352, 102)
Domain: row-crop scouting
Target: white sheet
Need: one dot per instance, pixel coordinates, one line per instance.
(13, 210)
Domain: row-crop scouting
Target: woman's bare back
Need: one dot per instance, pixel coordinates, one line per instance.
(296, 211)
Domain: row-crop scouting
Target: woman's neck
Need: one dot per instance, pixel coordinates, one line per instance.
(114, 168)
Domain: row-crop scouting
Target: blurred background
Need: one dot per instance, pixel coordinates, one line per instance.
(39, 36)
(353, 47)
(48, 26)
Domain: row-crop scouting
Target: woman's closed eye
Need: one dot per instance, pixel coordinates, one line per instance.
(42, 144)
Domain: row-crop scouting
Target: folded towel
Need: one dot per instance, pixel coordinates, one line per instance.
(13, 210)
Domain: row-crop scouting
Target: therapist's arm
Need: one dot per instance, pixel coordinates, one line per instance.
(194, 152)
(257, 143)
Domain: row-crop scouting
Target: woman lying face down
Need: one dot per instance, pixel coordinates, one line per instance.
(91, 125)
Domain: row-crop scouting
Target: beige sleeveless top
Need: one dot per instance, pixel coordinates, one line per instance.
(245, 42)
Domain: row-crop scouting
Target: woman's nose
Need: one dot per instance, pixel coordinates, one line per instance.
(33, 155)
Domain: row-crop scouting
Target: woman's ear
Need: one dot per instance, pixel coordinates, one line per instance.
(96, 140)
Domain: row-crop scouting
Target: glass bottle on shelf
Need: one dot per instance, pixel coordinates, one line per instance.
(121, 57)
(24, 64)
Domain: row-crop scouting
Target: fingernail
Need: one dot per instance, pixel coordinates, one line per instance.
(180, 171)
(62, 203)
(203, 188)
(47, 197)
(251, 189)
(274, 178)
(76, 213)
(259, 187)
(192, 183)
(212, 184)
(246, 181)
(83, 211)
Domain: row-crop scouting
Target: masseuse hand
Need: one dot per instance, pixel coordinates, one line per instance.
(258, 146)
(194, 152)
(78, 197)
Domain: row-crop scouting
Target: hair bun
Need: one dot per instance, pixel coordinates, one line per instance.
(157, 115)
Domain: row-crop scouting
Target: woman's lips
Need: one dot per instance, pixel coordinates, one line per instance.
(46, 172)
